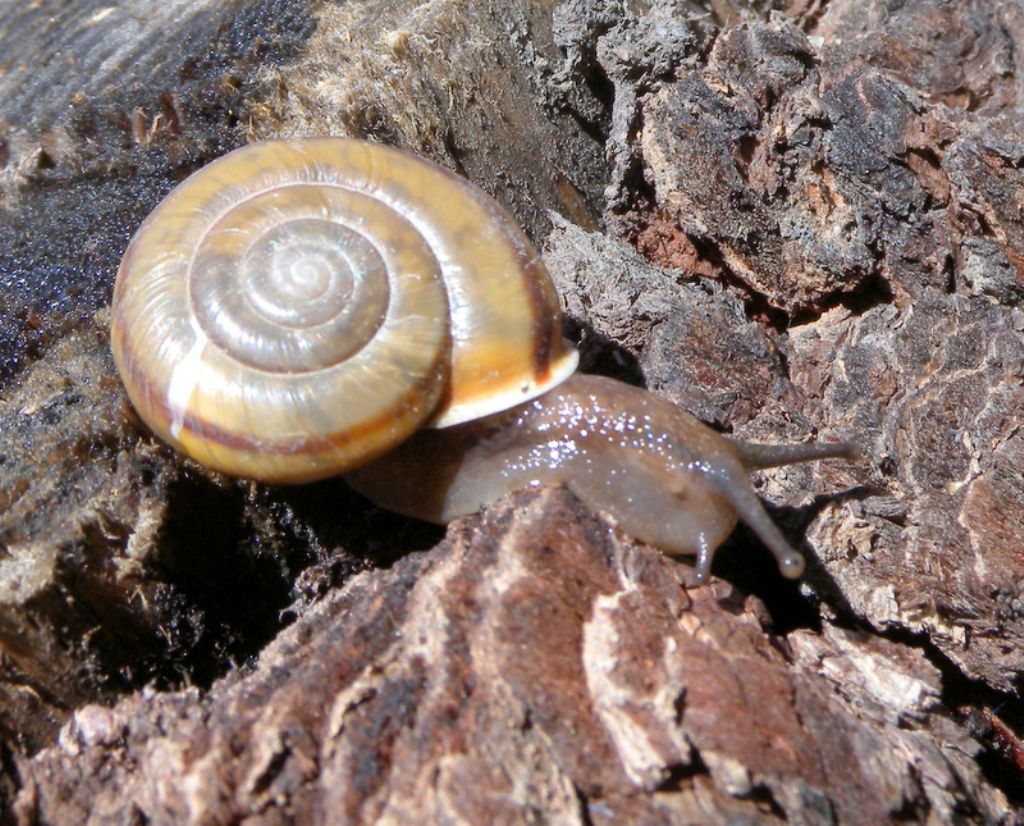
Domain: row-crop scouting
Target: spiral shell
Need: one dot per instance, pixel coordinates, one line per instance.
(297, 308)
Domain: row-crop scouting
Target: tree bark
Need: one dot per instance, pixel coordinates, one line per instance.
(793, 219)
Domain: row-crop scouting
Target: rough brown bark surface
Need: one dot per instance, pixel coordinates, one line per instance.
(792, 219)
(498, 679)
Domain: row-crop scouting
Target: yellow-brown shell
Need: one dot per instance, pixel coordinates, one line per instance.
(297, 308)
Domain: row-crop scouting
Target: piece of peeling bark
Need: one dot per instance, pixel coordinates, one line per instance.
(693, 342)
(536, 661)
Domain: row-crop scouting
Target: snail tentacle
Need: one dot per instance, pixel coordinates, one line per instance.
(756, 456)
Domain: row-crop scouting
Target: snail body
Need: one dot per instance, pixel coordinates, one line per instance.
(667, 479)
(299, 309)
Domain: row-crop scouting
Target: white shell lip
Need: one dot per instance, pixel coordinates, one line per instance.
(478, 408)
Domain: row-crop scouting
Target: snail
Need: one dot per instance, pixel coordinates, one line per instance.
(299, 309)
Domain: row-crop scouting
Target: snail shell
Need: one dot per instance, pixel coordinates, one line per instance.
(296, 308)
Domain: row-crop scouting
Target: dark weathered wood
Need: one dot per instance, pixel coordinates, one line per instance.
(810, 228)
(104, 107)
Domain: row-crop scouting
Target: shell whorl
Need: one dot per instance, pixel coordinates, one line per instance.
(296, 308)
